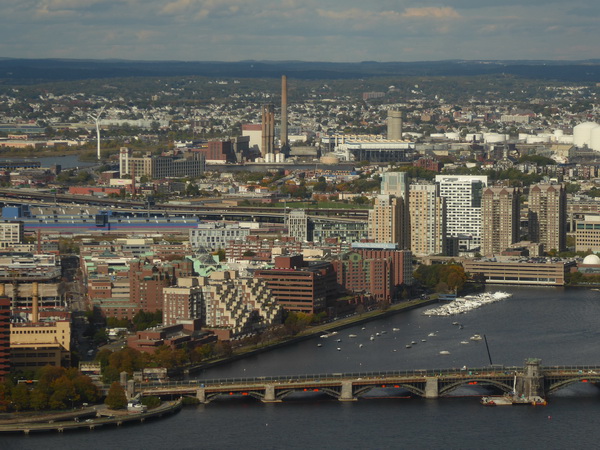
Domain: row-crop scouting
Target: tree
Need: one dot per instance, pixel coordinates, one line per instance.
(20, 397)
(116, 398)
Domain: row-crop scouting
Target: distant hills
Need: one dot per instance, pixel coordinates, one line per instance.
(29, 71)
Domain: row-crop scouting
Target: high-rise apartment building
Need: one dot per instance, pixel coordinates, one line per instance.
(500, 218)
(463, 195)
(387, 221)
(182, 302)
(298, 225)
(427, 212)
(547, 216)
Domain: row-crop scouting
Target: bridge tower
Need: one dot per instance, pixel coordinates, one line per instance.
(531, 382)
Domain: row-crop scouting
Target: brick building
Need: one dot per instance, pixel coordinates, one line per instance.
(301, 286)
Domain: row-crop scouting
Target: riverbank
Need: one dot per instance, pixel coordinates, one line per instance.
(102, 417)
(315, 331)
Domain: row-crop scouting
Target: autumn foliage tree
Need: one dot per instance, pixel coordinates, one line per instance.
(442, 277)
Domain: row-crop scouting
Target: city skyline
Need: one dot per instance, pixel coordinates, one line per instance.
(234, 30)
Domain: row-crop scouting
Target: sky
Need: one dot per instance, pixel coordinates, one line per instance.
(305, 30)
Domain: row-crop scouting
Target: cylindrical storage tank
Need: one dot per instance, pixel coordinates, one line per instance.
(537, 139)
(330, 159)
(279, 157)
(595, 139)
(491, 138)
(582, 134)
(566, 139)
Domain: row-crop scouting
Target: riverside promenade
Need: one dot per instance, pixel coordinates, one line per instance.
(100, 417)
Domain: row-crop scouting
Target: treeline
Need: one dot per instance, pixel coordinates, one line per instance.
(130, 360)
(52, 388)
(442, 277)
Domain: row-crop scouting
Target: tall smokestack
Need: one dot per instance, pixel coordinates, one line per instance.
(284, 118)
(35, 314)
(394, 125)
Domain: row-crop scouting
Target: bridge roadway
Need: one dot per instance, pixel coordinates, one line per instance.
(350, 386)
(216, 212)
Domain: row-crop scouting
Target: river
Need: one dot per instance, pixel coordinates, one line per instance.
(559, 326)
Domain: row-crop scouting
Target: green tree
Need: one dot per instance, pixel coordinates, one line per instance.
(38, 399)
(116, 398)
(20, 397)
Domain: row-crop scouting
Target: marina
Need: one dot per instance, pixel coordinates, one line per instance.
(467, 303)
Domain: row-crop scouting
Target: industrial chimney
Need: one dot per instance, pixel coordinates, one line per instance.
(284, 118)
(35, 314)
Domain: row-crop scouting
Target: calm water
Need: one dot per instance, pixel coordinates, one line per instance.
(559, 326)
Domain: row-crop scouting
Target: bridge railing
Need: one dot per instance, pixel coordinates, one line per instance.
(325, 377)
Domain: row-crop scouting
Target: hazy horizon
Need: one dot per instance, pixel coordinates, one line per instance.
(294, 30)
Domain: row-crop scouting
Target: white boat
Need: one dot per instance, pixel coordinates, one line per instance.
(339, 349)
(413, 342)
(423, 340)
(444, 352)
(467, 303)
(395, 329)
(408, 346)
(319, 345)
(476, 337)
(351, 335)
(360, 345)
(372, 338)
(464, 342)
(432, 334)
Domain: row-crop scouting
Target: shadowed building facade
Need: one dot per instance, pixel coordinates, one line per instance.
(500, 215)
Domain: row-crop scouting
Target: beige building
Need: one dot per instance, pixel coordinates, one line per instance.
(587, 234)
(508, 272)
(238, 304)
(387, 223)
(547, 216)
(182, 302)
(501, 220)
(11, 232)
(37, 344)
(427, 220)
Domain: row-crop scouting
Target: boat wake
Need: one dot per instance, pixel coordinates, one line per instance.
(467, 303)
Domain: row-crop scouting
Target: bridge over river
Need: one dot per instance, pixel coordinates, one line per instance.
(529, 381)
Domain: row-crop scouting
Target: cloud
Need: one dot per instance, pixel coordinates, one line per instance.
(431, 13)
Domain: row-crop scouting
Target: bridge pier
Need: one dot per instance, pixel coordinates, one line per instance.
(347, 395)
(201, 395)
(431, 387)
(531, 383)
(270, 394)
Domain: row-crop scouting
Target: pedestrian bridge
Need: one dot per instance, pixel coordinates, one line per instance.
(529, 380)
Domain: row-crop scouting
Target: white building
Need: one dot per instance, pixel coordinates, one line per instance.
(216, 235)
(463, 194)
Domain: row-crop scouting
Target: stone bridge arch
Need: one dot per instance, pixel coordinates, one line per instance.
(445, 389)
(561, 384)
(413, 389)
